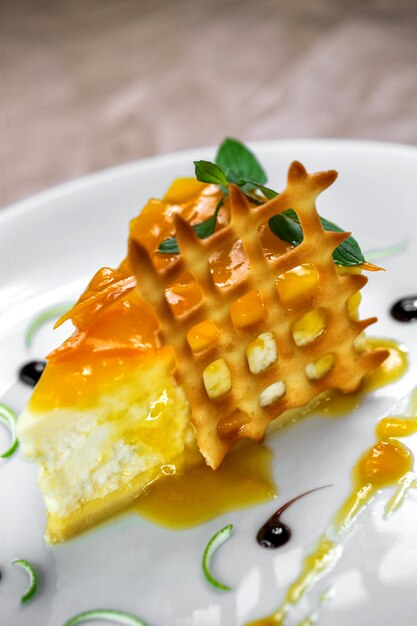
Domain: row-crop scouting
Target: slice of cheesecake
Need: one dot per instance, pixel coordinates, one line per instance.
(175, 358)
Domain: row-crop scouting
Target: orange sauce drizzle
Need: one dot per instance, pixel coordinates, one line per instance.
(204, 494)
(388, 462)
(337, 404)
(184, 500)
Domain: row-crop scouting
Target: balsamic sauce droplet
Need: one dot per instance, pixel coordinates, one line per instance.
(31, 372)
(275, 533)
(405, 310)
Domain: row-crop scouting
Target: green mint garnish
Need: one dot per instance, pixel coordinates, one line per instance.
(208, 172)
(9, 419)
(383, 253)
(106, 615)
(42, 318)
(211, 548)
(235, 163)
(33, 579)
(287, 227)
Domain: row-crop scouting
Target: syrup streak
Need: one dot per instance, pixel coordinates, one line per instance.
(387, 462)
(328, 594)
(407, 482)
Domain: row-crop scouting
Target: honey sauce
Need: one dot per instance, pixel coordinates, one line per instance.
(388, 462)
(199, 494)
(245, 479)
(394, 366)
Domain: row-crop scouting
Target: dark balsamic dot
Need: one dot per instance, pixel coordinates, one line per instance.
(405, 310)
(31, 372)
(273, 534)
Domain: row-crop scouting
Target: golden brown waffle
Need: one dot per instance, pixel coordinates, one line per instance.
(268, 300)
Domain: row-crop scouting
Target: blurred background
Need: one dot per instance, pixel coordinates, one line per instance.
(86, 84)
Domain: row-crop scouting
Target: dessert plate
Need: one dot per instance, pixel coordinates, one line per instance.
(50, 245)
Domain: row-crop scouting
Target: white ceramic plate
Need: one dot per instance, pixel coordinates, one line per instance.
(49, 247)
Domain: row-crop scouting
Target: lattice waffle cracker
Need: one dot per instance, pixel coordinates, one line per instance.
(238, 354)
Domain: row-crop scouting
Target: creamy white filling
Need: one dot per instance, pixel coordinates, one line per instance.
(83, 455)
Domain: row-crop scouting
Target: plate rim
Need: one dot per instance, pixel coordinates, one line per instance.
(90, 181)
(20, 207)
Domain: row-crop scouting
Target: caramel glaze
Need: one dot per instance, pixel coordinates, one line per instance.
(388, 462)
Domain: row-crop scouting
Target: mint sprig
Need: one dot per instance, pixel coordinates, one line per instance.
(208, 172)
(235, 163)
(287, 227)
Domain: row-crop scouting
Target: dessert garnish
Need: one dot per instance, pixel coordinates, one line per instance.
(42, 318)
(388, 462)
(405, 310)
(274, 533)
(213, 545)
(236, 164)
(384, 253)
(33, 580)
(31, 372)
(9, 419)
(241, 406)
(107, 615)
(178, 357)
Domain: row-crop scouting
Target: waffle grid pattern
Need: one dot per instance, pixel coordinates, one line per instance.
(220, 423)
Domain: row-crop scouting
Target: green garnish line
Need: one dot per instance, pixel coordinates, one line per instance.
(9, 419)
(111, 615)
(383, 253)
(213, 545)
(235, 163)
(41, 319)
(33, 580)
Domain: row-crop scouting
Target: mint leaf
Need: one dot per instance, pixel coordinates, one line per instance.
(349, 252)
(287, 227)
(244, 184)
(235, 158)
(235, 163)
(208, 172)
(206, 228)
(169, 246)
(202, 230)
(268, 193)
